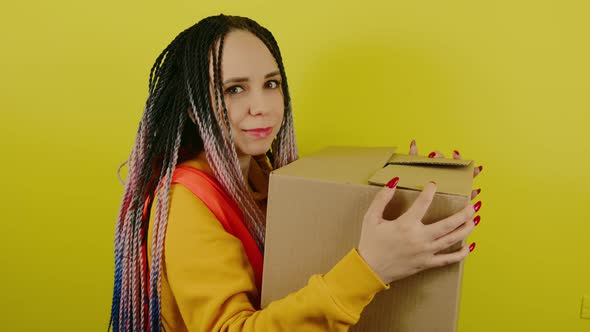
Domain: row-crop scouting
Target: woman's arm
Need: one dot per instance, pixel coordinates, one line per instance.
(213, 283)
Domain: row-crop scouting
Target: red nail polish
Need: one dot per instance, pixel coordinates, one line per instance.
(477, 206)
(476, 220)
(393, 182)
(432, 154)
(478, 191)
(457, 152)
(480, 168)
(471, 247)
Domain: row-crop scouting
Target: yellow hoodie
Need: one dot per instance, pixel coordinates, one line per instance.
(208, 283)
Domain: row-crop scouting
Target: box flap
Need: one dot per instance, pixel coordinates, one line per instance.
(451, 175)
(342, 164)
(404, 159)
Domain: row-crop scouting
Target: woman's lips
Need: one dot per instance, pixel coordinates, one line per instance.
(259, 132)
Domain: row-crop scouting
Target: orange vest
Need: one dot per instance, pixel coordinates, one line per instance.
(209, 190)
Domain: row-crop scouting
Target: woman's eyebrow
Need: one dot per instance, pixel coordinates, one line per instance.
(245, 79)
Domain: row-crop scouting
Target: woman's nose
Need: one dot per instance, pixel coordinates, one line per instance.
(259, 104)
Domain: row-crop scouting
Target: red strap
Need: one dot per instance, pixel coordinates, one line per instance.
(208, 190)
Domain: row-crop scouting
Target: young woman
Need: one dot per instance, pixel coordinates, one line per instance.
(190, 231)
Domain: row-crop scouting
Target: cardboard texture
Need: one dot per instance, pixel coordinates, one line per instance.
(314, 217)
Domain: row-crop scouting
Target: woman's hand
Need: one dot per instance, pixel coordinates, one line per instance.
(395, 249)
(456, 155)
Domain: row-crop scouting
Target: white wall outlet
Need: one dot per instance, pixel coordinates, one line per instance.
(585, 313)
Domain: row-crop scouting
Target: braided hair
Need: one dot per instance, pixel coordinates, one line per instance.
(179, 90)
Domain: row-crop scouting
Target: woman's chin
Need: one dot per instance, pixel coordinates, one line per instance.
(256, 149)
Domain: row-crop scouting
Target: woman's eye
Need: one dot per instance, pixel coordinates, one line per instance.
(234, 89)
(273, 84)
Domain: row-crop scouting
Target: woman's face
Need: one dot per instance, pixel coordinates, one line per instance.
(252, 92)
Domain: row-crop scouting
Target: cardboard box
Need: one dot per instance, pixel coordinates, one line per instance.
(314, 217)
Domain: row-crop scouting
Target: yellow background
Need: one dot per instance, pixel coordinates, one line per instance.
(504, 82)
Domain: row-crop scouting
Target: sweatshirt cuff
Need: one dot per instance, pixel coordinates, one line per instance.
(353, 283)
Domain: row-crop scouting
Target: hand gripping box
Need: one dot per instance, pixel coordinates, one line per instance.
(314, 217)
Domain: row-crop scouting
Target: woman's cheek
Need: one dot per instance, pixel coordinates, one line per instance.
(233, 112)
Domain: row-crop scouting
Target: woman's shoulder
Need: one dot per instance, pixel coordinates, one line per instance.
(182, 201)
(184, 208)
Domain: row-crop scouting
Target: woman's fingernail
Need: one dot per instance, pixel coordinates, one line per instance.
(477, 206)
(478, 191)
(471, 247)
(480, 168)
(476, 220)
(432, 181)
(413, 143)
(457, 152)
(393, 182)
(432, 154)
